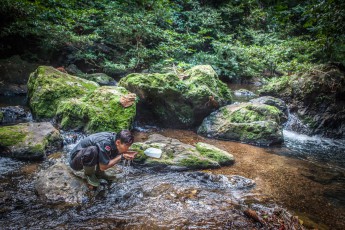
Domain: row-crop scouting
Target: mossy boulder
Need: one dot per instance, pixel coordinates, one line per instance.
(179, 156)
(276, 102)
(29, 140)
(179, 100)
(316, 97)
(98, 111)
(1, 116)
(252, 123)
(47, 87)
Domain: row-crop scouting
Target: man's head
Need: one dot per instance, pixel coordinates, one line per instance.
(123, 140)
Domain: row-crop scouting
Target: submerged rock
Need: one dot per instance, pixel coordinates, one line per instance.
(179, 100)
(179, 156)
(29, 140)
(244, 93)
(316, 97)
(47, 87)
(252, 123)
(98, 111)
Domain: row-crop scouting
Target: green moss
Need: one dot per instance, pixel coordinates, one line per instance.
(196, 162)
(47, 87)
(1, 116)
(257, 112)
(184, 102)
(215, 154)
(277, 86)
(39, 148)
(11, 135)
(101, 110)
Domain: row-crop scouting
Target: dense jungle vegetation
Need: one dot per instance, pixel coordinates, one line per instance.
(240, 39)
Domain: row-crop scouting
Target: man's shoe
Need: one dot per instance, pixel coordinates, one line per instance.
(90, 176)
(103, 175)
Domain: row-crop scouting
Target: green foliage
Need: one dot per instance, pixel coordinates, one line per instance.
(239, 39)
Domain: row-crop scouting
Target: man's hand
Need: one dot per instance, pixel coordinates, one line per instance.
(129, 155)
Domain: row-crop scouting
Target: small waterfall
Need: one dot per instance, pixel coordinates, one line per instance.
(296, 125)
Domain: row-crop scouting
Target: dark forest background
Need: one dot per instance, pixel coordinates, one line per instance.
(240, 39)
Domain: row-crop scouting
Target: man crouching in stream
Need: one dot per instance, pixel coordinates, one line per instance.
(100, 151)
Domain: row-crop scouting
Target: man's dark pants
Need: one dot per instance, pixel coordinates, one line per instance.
(85, 157)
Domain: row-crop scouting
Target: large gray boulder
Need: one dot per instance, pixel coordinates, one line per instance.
(179, 156)
(182, 100)
(252, 123)
(57, 184)
(29, 140)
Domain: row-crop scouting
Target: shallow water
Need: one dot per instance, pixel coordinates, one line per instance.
(310, 188)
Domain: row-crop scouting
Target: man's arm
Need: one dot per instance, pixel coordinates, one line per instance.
(111, 163)
(128, 155)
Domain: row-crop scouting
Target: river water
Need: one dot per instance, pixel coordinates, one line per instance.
(306, 176)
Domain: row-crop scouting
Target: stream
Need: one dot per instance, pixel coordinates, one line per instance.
(306, 176)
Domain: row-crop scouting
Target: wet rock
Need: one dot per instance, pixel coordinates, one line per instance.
(74, 70)
(100, 78)
(179, 100)
(14, 114)
(58, 184)
(179, 156)
(252, 123)
(276, 102)
(98, 111)
(244, 93)
(14, 75)
(47, 87)
(316, 97)
(29, 140)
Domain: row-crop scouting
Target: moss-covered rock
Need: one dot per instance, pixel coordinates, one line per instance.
(252, 123)
(179, 156)
(29, 140)
(317, 98)
(47, 87)
(98, 111)
(276, 102)
(1, 116)
(182, 100)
